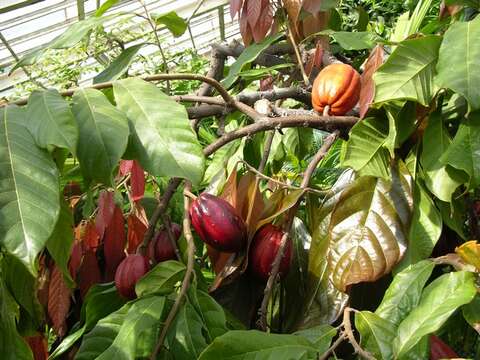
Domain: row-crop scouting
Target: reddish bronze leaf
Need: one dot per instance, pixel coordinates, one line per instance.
(125, 167)
(267, 83)
(229, 192)
(75, 259)
(367, 93)
(245, 29)
(43, 281)
(312, 6)
(264, 22)
(58, 301)
(315, 23)
(106, 206)
(315, 61)
(89, 272)
(293, 10)
(235, 6)
(448, 10)
(136, 232)
(137, 181)
(91, 238)
(39, 346)
(114, 244)
(254, 10)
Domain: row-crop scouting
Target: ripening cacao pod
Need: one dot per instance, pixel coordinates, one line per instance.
(338, 86)
(263, 250)
(130, 270)
(218, 224)
(161, 248)
(440, 350)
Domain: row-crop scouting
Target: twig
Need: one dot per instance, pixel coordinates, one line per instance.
(347, 325)
(187, 232)
(197, 6)
(299, 57)
(171, 237)
(267, 146)
(332, 348)
(329, 140)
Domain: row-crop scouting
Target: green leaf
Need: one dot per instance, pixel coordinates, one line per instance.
(213, 315)
(59, 244)
(246, 57)
(403, 294)
(263, 71)
(471, 313)
(460, 47)
(161, 279)
(115, 336)
(353, 40)
(442, 180)
(50, 120)
(253, 344)
(376, 333)
(67, 343)
(369, 228)
(103, 134)
(365, 152)
(12, 345)
(163, 139)
(439, 300)
(185, 337)
(29, 190)
(425, 229)
(320, 336)
(408, 72)
(173, 22)
(464, 151)
(118, 66)
(454, 215)
(105, 6)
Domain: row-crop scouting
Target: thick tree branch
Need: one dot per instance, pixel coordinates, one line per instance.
(217, 64)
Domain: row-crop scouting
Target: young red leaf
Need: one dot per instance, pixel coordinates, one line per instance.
(235, 6)
(75, 259)
(89, 272)
(367, 92)
(58, 301)
(264, 22)
(106, 206)
(312, 6)
(266, 83)
(440, 350)
(254, 10)
(137, 181)
(136, 231)
(125, 167)
(39, 346)
(114, 244)
(91, 238)
(245, 30)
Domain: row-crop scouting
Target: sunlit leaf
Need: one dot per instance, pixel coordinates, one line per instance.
(161, 279)
(118, 66)
(470, 253)
(173, 22)
(376, 333)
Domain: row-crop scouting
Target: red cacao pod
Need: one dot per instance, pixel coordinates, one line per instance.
(263, 250)
(218, 224)
(440, 350)
(161, 248)
(130, 270)
(338, 86)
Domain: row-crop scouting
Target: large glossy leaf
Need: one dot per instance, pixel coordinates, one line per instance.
(59, 244)
(460, 47)
(442, 180)
(213, 315)
(365, 151)
(439, 300)
(115, 336)
(185, 337)
(376, 333)
(253, 344)
(163, 139)
(118, 66)
(103, 134)
(425, 229)
(403, 294)
(29, 190)
(464, 152)
(408, 72)
(50, 120)
(161, 279)
(12, 345)
(471, 313)
(173, 22)
(246, 57)
(369, 227)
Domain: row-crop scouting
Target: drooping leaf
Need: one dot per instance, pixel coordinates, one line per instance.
(439, 300)
(50, 120)
(106, 207)
(376, 333)
(172, 22)
(247, 56)
(369, 227)
(460, 47)
(136, 232)
(404, 293)
(213, 315)
(254, 10)
(29, 190)
(264, 22)
(163, 140)
(365, 151)
(88, 273)
(161, 279)
(58, 301)
(235, 6)
(241, 344)
(367, 92)
(137, 181)
(408, 72)
(103, 134)
(114, 243)
(119, 66)
(39, 346)
(90, 236)
(425, 229)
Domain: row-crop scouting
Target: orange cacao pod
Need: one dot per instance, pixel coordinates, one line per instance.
(338, 86)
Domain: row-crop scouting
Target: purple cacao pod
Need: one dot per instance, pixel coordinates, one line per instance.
(160, 248)
(130, 270)
(263, 250)
(218, 224)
